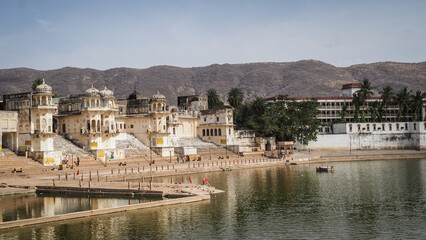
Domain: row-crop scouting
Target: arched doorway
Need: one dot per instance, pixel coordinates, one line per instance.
(268, 146)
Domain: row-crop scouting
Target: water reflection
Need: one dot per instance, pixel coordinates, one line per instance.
(37, 205)
(374, 199)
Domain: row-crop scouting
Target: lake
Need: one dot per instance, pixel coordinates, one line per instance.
(361, 200)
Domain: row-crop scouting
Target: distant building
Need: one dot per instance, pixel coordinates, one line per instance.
(389, 134)
(193, 102)
(330, 108)
(217, 126)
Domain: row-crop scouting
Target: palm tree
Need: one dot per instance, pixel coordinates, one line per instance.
(375, 111)
(365, 92)
(343, 113)
(356, 102)
(387, 96)
(213, 99)
(235, 97)
(37, 82)
(403, 99)
(417, 105)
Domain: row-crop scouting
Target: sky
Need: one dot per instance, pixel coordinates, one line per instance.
(107, 34)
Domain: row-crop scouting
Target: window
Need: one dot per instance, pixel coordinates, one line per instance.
(217, 119)
(211, 132)
(220, 132)
(215, 132)
(207, 132)
(350, 127)
(368, 127)
(390, 127)
(374, 127)
(414, 126)
(131, 125)
(383, 127)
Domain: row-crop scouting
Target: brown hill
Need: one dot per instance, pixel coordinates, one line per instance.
(302, 78)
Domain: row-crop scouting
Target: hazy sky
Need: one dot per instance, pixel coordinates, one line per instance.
(139, 34)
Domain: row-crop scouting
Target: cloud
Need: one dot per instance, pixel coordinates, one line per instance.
(46, 25)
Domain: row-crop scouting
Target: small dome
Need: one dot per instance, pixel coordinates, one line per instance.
(92, 92)
(135, 95)
(43, 88)
(106, 93)
(158, 97)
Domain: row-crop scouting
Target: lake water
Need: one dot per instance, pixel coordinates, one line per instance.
(360, 200)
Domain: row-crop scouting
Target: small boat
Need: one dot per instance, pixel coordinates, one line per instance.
(325, 169)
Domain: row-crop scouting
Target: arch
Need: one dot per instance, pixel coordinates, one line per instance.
(38, 124)
(350, 127)
(98, 126)
(43, 124)
(268, 146)
(93, 125)
(207, 132)
(390, 126)
(107, 125)
(406, 126)
(215, 132)
(211, 132)
(220, 132)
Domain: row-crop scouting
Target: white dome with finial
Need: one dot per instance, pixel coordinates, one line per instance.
(106, 93)
(158, 97)
(92, 92)
(43, 88)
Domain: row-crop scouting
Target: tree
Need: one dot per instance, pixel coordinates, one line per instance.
(387, 96)
(292, 121)
(235, 97)
(357, 103)
(213, 99)
(417, 105)
(403, 99)
(375, 111)
(365, 92)
(343, 113)
(37, 82)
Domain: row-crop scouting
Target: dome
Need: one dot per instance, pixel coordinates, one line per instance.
(158, 97)
(135, 95)
(43, 88)
(106, 93)
(92, 92)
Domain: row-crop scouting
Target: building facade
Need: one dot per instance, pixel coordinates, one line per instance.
(89, 120)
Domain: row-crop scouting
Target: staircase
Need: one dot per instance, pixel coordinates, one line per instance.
(195, 142)
(132, 146)
(68, 147)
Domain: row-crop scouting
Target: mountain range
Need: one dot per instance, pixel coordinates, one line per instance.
(306, 78)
